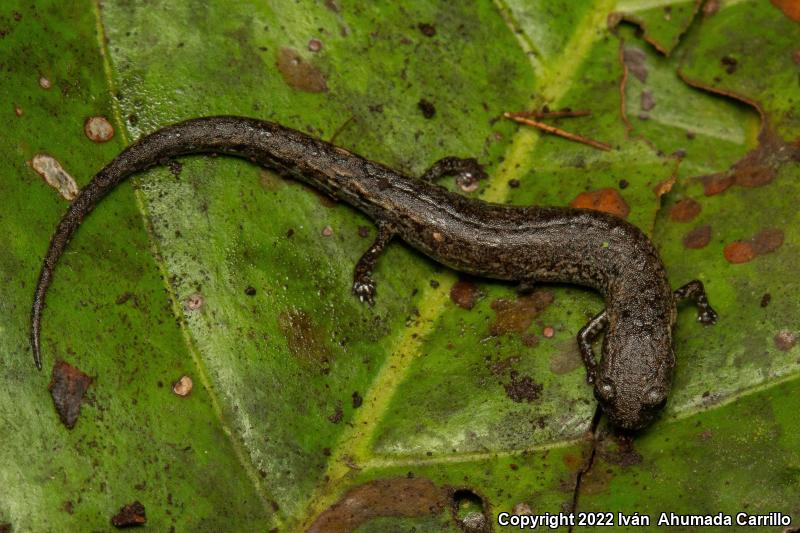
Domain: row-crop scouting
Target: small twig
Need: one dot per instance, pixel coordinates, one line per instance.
(558, 131)
(552, 114)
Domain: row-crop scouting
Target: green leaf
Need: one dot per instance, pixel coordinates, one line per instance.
(424, 413)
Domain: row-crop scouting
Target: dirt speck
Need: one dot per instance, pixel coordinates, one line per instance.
(428, 30)
(44, 83)
(67, 387)
(684, 210)
(548, 332)
(131, 515)
(98, 129)
(697, 238)
(54, 174)
(183, 387)
(729, 63)
(358, 400)
(327, 231)
(18, 111)
(635, 60)
(607, 200)
(300, 74)
(315, 45)
(427, 108)
(250, 291)
(765, 299)
(464, 294)
(337, 415)
(522, 388)
(515, 316)
(194, 302)
(785, 340)
(306, 340)
(399, 497)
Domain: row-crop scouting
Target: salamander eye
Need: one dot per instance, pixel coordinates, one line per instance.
(655, 397)
(607, 390)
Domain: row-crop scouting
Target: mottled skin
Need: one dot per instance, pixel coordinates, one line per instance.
(523, 244)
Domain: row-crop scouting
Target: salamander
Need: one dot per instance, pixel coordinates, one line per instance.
(524, 244)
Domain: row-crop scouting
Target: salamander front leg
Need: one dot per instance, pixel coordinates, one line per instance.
(467, 169)
(363, 285)
(586, 336)
(695, 291)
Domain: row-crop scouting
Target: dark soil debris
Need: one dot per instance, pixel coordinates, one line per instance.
(765, 299)
(522, 388)
(428, 30)
(67, 387)
(729, 63)
(337, 415)
(400, 497)
(427, 108)
(358, 400)
(131, 515)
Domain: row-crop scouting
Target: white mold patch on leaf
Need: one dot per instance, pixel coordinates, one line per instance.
(54, 174)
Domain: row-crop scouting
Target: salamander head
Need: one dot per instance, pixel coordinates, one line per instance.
(632, 387)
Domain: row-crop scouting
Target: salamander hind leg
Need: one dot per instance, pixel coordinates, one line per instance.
(695, 291)
(586, 336)
(467, 170)
(363, 285)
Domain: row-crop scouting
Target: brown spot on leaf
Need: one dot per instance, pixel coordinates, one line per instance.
(790, 8)
(635, 60)
(566, 359)
(515, 316)
(98, 129)
(607, 200)
(298, 73)
(710, 7)
(785, 340)
(739, 252)
(464, 294)
(358, 400)
(522, 388)
(398, 497)
(757, 168)
(306, 340)
(618, 450)
(67, 387)
(795, 58)
(337, 415)
(716, 183)
(767, 240)
(647, 101)
(684, 210)
(131, 515)
(54, 174)
(697, 238)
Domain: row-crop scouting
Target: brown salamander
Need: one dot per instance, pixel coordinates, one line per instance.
(522, 244)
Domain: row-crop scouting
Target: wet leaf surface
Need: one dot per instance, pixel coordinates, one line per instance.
(461, 394)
